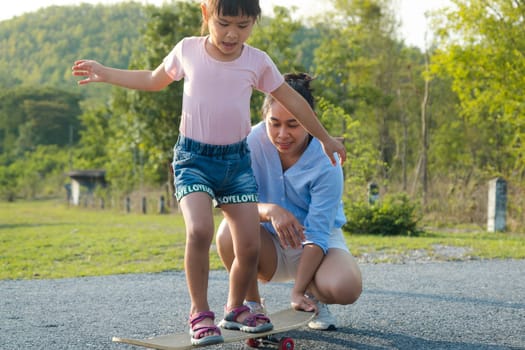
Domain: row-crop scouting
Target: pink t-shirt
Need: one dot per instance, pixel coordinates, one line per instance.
(216, 101)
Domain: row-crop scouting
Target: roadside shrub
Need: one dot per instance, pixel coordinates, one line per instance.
(393, 215)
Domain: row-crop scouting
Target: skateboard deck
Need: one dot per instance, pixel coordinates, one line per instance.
(284, 320)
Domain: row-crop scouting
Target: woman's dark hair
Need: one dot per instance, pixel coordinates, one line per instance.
(249, 8)
(300, 82)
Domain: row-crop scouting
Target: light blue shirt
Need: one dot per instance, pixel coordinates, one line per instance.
(311, 189)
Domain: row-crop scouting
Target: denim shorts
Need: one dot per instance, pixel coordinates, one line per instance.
(223, 171)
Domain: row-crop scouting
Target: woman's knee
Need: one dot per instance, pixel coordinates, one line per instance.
(346, 286)
(352, 291)
(223, 237)
(343, 291)
(224, 243)
(352, 284)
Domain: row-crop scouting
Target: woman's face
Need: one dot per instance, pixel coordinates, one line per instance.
(285, 132)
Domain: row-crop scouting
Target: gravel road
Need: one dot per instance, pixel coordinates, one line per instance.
(434, 305)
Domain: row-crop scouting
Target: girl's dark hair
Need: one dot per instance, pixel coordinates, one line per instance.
(249, 8)
(300, 82)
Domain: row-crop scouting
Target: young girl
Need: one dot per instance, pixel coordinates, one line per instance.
(211, 156)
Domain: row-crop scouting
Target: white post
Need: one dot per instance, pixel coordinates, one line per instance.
(497, 205)
(75, 192)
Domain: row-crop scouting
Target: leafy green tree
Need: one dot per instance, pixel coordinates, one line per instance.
(95, 134)
(6, 78)
(37, 116)
(359, 61)
(362, 157)
(275, 37)
(482, 48)
(39, 172)
(8, 178)
(145, 124)
(39, 48)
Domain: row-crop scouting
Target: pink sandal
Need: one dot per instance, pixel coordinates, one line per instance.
(197, 332)
(249, 325)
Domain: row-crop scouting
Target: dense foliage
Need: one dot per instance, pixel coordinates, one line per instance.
(395, 215)
(435, 124)
(39, 48)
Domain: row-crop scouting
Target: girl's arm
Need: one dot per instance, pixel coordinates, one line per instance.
(291, 234)
(132, 79)
(311, 258)
(299, 108)
(324, 211)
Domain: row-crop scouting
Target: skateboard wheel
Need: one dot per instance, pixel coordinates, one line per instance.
(286, 344)
(252, 343)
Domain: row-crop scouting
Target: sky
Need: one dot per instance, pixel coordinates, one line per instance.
(412, 12)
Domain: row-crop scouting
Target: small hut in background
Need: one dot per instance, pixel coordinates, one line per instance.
(84, 183)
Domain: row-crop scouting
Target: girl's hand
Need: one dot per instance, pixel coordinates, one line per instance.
(301, 302)
(90, 69)
(332, 146)
(288, 228)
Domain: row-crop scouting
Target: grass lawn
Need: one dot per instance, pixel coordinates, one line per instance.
(46, 239)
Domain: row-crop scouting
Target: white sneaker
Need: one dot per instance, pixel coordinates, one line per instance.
(256, 308)
(324, 320)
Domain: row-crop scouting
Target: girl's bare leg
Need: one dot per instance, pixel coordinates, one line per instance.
(267, 258)
(198, 217)
(243, 223)
(344, 287)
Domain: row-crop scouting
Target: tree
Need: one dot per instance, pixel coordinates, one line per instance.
(482, 50)
(359, 62)
(38, 48)
(145, 124)
(362, 157)
(94, 138)
(275, 37)
(39, 172)
(37, 116)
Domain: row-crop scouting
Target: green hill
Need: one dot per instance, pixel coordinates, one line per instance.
(39, 48)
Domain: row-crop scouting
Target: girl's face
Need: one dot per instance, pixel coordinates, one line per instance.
(285, 132)
(227, 34)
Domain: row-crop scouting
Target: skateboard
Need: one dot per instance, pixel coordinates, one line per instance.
(284, 320)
